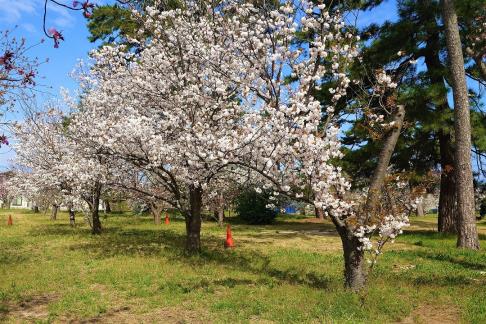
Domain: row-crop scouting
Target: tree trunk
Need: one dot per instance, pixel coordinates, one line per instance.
(72, 216)
(55, 208)
(107, 207)
(220, 213)
(193, 221)
(156, 213)
(36, 209)
(467, 231)
(220, 210)
(95, 210)
(378, 178)
(447, 196)
(447, 199)
(355, 271)
(319, 213)
(420, 208)
(354, 261)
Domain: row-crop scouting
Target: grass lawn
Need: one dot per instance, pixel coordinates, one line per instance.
(290, 272)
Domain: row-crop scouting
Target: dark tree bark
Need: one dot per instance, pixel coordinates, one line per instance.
(36, 209)
(319, 213)
(107, 207)
(95, 210)
(55, 208)
(447, 196)
(467, 231)
(193, 221)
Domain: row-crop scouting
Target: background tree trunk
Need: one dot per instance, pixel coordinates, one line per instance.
(193, 221)
(95, 210)
(319, 213)
(72, 216)
(156, 213)
(107, 207)
(220, 209)
(467, 231)
(420, 208)
(447, 196)
(55, 208)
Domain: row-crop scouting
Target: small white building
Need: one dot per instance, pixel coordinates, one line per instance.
(19, 203)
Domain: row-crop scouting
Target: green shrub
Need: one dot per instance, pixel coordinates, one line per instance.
(251, 207)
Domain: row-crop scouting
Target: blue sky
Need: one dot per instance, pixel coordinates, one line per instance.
(27, 16)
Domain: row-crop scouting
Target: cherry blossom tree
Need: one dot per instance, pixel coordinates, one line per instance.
(231, 88)
(50, 158)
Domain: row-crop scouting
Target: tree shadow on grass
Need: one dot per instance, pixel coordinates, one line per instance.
(170, 245)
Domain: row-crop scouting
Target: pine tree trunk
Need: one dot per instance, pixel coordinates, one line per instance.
(447, 199)
(466, 225)
(447, 195)
(55, 208)
(193, 221)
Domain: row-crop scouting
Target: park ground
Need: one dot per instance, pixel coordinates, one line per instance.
(289, 272)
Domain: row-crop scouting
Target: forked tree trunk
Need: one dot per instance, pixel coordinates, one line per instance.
(467, 231)
(55, 208)
(193, 221)
(355, 271)
(319, 213)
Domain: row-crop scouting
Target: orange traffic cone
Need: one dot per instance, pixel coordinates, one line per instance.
(10, 220)
(229, 238)
(167, 222)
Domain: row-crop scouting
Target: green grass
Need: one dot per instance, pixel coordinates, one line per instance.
(289, 272)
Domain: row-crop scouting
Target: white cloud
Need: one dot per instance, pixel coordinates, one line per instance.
(19, 11)
(12, 11)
